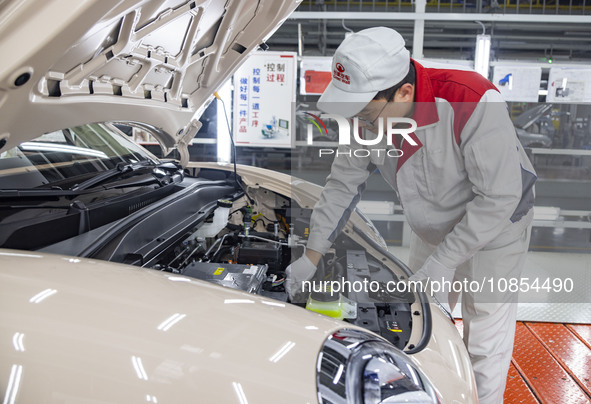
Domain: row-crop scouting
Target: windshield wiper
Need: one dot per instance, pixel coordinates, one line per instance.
(162, 174)
(37, 193)
(119, 170)
(45, 207)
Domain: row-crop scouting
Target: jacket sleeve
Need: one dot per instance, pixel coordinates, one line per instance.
(342, 192)
(492, 161)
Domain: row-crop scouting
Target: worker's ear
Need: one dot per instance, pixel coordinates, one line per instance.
(405, 93)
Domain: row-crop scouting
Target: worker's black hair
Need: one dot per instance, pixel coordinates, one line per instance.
(388, 94)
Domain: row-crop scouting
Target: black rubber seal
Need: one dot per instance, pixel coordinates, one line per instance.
(427, 320)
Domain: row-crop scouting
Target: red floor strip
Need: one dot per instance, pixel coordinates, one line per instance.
(567, 349)
(582, 331)
(517, 390)
(551, 364)
(550, 382)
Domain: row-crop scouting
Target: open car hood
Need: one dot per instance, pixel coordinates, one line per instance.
(156, 63)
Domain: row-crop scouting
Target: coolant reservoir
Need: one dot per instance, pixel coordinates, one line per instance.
(339, 308)
(220, 220)
(220, 216)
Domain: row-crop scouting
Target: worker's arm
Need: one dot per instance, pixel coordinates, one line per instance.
(503, 188)
(313, 256)
(340, 195)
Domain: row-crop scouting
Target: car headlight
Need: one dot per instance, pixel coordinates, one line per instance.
(357, 367)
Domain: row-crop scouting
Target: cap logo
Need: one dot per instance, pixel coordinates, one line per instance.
(339, 74)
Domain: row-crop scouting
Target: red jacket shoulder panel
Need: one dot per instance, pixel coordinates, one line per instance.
(462, 89)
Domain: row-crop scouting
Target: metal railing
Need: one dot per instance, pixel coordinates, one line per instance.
(563, 7)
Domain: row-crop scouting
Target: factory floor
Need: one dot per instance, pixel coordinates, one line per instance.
(551, 364)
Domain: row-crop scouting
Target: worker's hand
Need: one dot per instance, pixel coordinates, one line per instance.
(297, 272)
(437, 280)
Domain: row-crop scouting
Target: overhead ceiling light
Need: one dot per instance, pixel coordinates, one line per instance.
(139, 368)
(39, 297)
(577, 33)
(14, 381)
(282, 351)
(170, 321)
(482, 54)
(51, 147)
(240, 393)
(17, 342)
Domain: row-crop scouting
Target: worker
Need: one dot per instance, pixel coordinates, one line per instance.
(464, 182)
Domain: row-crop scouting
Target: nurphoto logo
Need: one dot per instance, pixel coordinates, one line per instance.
(402, 127)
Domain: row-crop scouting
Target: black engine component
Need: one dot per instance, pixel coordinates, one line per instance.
(249, 278)
(260, 252)
(381, 311)
(300, 220)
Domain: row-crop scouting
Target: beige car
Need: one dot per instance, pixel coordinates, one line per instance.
(125, 278)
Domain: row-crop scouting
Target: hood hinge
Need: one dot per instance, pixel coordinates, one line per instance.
(188, 133)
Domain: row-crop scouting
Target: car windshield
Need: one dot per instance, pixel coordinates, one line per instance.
(69, 156)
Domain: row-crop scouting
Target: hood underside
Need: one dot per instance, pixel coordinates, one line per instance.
(153, 62)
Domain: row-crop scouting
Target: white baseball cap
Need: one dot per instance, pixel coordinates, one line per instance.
(365, 63)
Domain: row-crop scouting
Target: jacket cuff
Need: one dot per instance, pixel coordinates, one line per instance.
(444, 260)
(318, 243)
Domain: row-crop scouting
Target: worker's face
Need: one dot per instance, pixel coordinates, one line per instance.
(368, 116)
(401, 106)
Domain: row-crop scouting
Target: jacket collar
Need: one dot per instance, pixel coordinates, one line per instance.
(425, 110)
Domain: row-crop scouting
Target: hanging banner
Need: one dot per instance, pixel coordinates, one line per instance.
(568, 85)
(264, 95)
(315, 74)
(518, 83)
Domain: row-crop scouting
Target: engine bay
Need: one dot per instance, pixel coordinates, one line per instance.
(248, 242)
(214, 229)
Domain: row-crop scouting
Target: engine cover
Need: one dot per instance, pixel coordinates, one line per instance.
(249, 278)
(255, 252)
